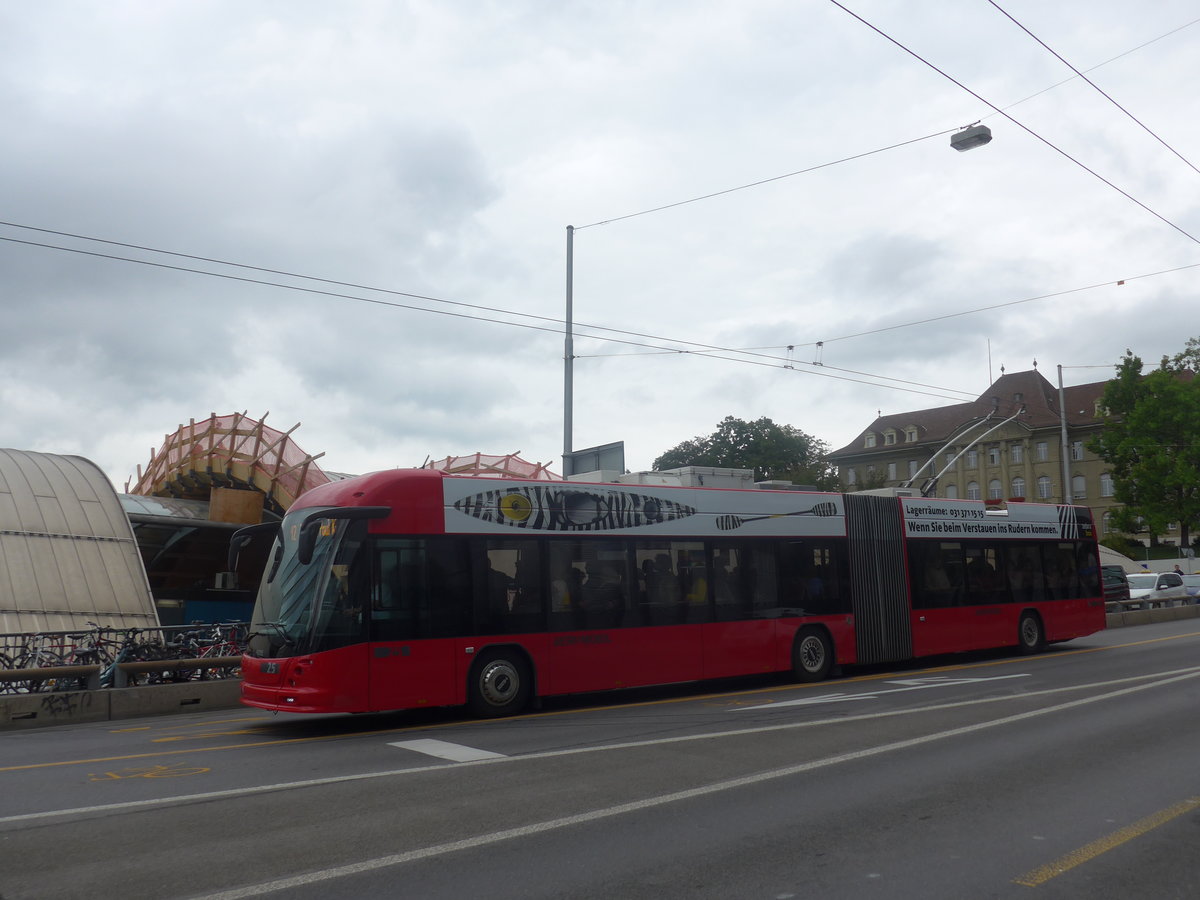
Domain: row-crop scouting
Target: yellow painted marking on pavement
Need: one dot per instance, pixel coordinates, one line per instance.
(159, 753)
(201, 736)
(1089, 852)
(261, 719)
(159, 771)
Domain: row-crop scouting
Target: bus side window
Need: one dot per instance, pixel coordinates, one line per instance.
(936, 573)
(1063, 572)
(1089, 571)
(589, 584)
(731, 602)
(1026, 582)
(513, 588)
(445, 608)
(985, 576)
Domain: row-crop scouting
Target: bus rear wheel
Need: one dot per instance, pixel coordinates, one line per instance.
(500, 684)
(812, 655)
(1030, 634)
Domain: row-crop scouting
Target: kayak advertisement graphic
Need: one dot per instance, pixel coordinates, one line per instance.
(580, 508)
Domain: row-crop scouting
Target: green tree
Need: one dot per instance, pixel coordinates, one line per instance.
(774, 452)
(1188, 360)
(1151, 439)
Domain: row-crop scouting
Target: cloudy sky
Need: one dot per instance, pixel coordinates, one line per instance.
(425, 159)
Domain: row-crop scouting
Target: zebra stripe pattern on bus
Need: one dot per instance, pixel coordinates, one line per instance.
(547, 508)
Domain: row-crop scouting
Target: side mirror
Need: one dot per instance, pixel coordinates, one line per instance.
(244, 536)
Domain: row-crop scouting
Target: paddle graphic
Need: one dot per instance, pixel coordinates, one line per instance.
(728, 522)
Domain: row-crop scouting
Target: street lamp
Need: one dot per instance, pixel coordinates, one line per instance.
(970, 137)
(967, 139)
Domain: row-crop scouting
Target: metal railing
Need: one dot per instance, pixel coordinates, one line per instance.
(104, 657)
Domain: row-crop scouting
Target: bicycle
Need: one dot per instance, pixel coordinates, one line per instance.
(34, 655)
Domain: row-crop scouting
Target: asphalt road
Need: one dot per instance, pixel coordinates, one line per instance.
(1074, 773)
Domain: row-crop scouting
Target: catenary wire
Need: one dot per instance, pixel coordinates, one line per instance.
(1020, 125)
(706, 347)
(997, 112)
(1095, 86)
(768, 362)
(1097, 66)
(826, 165)
(707, 350)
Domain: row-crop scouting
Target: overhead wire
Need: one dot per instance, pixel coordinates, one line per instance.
(1095, 86)
(742, 187)
(997, 111)
(771, 362)
(1020, 125)
(1097, 66)
(702, 349)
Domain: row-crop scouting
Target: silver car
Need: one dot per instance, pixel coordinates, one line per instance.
(1157, 589)
(1191, 584)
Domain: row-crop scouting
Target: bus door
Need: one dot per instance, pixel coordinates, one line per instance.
(942, 619)
(420, 599)
(741, 639)
(989, 569)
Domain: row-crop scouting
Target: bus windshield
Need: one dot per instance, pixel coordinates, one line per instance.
(311, 595)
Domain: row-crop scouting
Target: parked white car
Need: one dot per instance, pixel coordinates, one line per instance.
(1157, 589)
(1191, 584)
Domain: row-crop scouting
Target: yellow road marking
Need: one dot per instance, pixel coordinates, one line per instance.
(204, 735)
(174, 771)
(1065, 863)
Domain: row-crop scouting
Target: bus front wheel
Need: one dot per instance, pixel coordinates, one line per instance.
(812, 655)
(500, 684)
(1030, 634)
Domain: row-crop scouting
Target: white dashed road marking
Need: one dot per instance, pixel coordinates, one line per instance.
(446, 750)
(911, 684)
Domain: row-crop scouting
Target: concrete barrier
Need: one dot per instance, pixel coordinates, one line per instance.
(52, 708)
(18, 711)
(162, 699)
(1150, 616)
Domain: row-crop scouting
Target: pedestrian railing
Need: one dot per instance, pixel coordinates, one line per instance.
(106, 657)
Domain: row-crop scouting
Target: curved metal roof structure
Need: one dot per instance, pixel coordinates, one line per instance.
(67, 552)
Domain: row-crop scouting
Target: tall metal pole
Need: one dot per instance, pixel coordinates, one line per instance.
(568, 348)
(1068, 496)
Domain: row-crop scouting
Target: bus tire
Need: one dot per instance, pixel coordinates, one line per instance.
(500, 684)
(1031, 635)
(812, 654)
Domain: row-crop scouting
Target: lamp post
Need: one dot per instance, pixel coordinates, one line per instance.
(967, 139)
(569, 349)
(1068, 494)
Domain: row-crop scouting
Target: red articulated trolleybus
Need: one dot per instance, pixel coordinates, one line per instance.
(414, 588)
